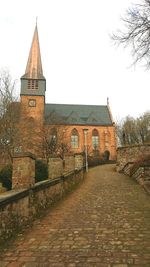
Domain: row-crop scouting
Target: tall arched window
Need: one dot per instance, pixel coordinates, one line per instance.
(95, 139)
(74, 139)
(53, 136)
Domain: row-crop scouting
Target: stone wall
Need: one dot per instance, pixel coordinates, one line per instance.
(131, 154)
(69, 163)
(78, 161)
(19, 208)
(55, 168)
(140, 173)
(23, 175)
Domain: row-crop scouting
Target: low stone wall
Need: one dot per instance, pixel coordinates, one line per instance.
(69, 163)
(140, 173)
(55, 168)
(130, 154)
(78, 161)
(19, 208)
(23, 176)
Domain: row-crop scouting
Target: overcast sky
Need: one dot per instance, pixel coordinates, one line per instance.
(80, 62)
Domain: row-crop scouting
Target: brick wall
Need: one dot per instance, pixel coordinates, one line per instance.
(31, 125)
(107, 138)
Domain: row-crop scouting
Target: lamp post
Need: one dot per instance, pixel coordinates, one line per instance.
(85, 144)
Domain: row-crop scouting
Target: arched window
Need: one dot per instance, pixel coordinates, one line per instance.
(74, 139)
(95, 139)
(53, 137)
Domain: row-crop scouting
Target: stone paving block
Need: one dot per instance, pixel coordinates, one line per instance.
(103, 223)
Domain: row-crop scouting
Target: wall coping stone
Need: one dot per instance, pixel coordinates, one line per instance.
(66, 154)
(131, 146)
(24, 155)
(69, 154)
(54, 156)
(79, 153)
(14, 195)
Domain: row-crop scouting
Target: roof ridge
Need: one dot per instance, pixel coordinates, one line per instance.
(91, 105)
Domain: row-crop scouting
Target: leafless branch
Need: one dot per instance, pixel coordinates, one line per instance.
(136, 32)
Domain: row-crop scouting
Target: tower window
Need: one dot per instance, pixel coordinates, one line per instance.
(33, 84)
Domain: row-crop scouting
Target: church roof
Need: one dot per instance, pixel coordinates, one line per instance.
(34, 63)
(77, 114)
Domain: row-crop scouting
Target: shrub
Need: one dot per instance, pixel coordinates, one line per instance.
(6, 177)
(41, 171)
(94, 161)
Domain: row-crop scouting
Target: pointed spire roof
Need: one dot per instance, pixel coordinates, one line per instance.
(34, 64)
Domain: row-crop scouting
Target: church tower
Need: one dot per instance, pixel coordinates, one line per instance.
(33, 83)
(33, 87)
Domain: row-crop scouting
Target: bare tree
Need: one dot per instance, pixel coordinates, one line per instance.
(132, 131)
(125, 131)
(9, 112)
(55, 141)
(143, 128)
(136, 32)
(55, 136)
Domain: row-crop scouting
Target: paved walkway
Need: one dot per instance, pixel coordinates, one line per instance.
(104, 223)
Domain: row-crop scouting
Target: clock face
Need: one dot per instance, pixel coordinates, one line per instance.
(32, 103)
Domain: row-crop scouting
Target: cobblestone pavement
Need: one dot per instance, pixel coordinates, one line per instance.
(103, 223)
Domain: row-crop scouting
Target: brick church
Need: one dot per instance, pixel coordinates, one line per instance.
(52, 128)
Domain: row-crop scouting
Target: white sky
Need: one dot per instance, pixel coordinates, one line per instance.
(80, 62)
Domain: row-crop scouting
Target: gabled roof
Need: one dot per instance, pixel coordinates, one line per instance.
(34, 64)
(77, 114)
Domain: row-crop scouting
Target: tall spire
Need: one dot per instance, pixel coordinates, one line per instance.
(34, 64)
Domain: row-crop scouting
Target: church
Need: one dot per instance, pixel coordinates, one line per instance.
(49, 129)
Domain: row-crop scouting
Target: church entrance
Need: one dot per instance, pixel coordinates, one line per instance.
(106, 155)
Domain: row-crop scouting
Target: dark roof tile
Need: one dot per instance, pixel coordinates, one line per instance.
(77, 114)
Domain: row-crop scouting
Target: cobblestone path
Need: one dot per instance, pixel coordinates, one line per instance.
(104, 223)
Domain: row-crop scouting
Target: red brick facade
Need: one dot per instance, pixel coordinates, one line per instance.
(106, 138)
